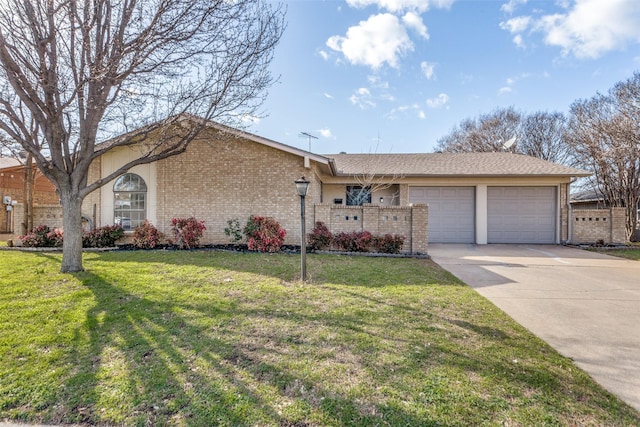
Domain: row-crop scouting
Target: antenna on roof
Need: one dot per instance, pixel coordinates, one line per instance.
(308, 135)
(509, 144)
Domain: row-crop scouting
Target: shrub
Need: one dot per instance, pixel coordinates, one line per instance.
(42, 237)
(187, 232)
(355, 241)
(102, 237)
(320, 237)
(388, 244)
(233, 230)
(146, 236)
(264, 234)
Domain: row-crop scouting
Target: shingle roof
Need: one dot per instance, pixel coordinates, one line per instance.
(7, 162)
(447, 164)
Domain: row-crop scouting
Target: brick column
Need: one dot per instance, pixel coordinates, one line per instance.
(618, 225)
(370, 218)
(419, 228)
(321, 212)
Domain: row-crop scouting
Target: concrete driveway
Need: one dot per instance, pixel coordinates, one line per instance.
(585, 305)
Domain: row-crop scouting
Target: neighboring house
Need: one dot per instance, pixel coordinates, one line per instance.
(592, 199)
(582, 201)
(12, 178)
(226, 174)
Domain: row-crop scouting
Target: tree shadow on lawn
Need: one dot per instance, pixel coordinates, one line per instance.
(143, 361)
(143, 357)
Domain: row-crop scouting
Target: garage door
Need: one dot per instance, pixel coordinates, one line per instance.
(451, 212)
(521, 214)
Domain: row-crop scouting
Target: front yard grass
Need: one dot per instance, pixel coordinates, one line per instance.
(631, 251)
(212, 338)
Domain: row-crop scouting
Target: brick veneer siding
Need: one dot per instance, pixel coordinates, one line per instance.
(217, 180)
(593, 225)
(50, 215)
(408, 221)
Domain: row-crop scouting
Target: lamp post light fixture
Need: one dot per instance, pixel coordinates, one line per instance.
(302, 185)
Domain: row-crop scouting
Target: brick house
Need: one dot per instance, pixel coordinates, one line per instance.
(12, 185)
(226, 174)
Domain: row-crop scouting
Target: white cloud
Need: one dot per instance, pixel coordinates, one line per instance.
(517, 40)
(518, 24)
(326, 133)
(380, 39)
(584, 28)
(328, 95)
(362, 98)
(428, 70)
(511, 5)
(505, 90)
(402, 5)
(421, 115)
(323, 54)
(439, 101)
(404, 110)
(414, 21)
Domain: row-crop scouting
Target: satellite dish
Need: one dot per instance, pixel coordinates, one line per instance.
(509, 143)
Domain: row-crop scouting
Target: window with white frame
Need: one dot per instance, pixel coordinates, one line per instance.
(130, 201)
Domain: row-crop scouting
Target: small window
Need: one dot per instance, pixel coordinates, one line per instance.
(358, 195)
(130, 201)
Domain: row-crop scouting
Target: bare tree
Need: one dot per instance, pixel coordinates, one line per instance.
(73, 73)
(488, 132)
(542, 134)
(604, 131)
(539, 134)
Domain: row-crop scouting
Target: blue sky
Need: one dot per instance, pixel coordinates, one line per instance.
(393, 76)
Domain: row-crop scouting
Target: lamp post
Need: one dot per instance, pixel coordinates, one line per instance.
(302, 185)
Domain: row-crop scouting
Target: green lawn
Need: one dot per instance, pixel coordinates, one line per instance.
(212, 338)
(629, 252)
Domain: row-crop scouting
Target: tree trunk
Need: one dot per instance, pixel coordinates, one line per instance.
(72, 223)
(29, 175)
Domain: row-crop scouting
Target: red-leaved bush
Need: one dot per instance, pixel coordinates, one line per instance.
(146, 236)
(388, 244)
(264, 234)
(187, 232)
(355, 241)
(42, 237)
(102, 237)
(320, 237)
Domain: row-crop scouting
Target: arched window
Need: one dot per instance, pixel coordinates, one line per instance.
(130, 201)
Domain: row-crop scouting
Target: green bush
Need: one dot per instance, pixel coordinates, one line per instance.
(233, 230)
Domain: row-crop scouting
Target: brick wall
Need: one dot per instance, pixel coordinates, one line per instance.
(218, 179)
(593, 225)
(408, 221)
(50, 215)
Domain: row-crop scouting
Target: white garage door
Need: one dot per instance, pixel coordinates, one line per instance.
(451, 212)
(521, 214)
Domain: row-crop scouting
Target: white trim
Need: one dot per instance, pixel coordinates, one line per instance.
(482, 217)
